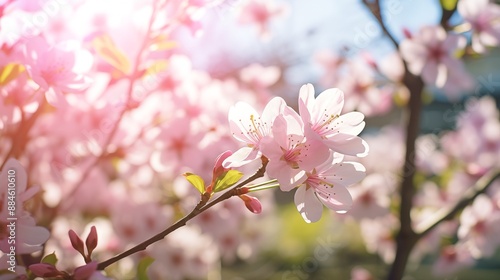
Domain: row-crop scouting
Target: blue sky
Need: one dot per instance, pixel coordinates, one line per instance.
(311, 25)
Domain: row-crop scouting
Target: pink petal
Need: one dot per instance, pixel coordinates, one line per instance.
(337, 198)
(306, 95)
(287, 177)
(348, 145)
(273, 109)
(330, 101)
(346, 173)
(308, 205)
(241, 157)
(316, 154)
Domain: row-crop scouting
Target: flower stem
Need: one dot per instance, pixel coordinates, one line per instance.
(260, 188)
(263, 183)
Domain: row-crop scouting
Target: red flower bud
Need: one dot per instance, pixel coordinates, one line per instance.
(252, 203)
(76, 242)
(407, 33)
(91, 240)
(44, 270)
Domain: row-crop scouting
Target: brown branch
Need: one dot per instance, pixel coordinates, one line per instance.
(446, 15)
(200, 207)
(406, 238)
(20, 138)
(374, 8)
(448, 213)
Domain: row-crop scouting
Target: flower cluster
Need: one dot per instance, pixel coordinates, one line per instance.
(306, 150)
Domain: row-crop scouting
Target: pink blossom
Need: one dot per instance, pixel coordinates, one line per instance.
(290, 154)
(322, 115)
(326, 185)
(249, 127)
(29, 236)
(478, 129)
(330, 64)
(452, 259)
(260, 76)
(363, 92)
(480, 227)
(58, 69)
(483, 16)
(260, 13)
(370, 197)
(378, 236)
(252, 203)
(430, 53)
(359, 273)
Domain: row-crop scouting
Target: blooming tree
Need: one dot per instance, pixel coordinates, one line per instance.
(110, 131)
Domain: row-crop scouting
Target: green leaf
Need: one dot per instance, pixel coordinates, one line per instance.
(448, 4)
(50, 259)
(228, 179)
(196, 181)
(9, 72)
(142, 268)
(107, 50)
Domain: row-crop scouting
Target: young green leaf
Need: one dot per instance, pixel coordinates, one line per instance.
(9, 72)
(227, 179)
(196, 181)
(449, 4)
(142, 268)
(50, 259)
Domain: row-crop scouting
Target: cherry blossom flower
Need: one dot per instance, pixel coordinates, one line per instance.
(330, 64)
(370, 197)
(249, 127)
(289, 152)
(29, 237)
(260, 13)
(483, 16)
(452, 259)
(326, 185)
(478, 130)
(322, 115)
(363, 92)
(359, 273)
(480, 227)
(58, 69)
(378, 236)
(430, 53)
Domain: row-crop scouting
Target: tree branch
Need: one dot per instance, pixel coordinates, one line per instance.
(200, 207)
(374, 8)
(448, 213)
(406, 238)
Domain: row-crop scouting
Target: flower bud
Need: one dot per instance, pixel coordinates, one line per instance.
(91, 240)
(44, 270)
(252, 203)
(76, 242)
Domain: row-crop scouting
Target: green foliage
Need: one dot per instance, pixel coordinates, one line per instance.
(448, 4)
(297, 238)
(9, 72)
(228, 179)
(142, 268)
(50, 259)
(196, 181)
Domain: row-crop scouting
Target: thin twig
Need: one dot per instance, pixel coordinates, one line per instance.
(448, 213)
(200, 207)
(133, 78)
(20, 138)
